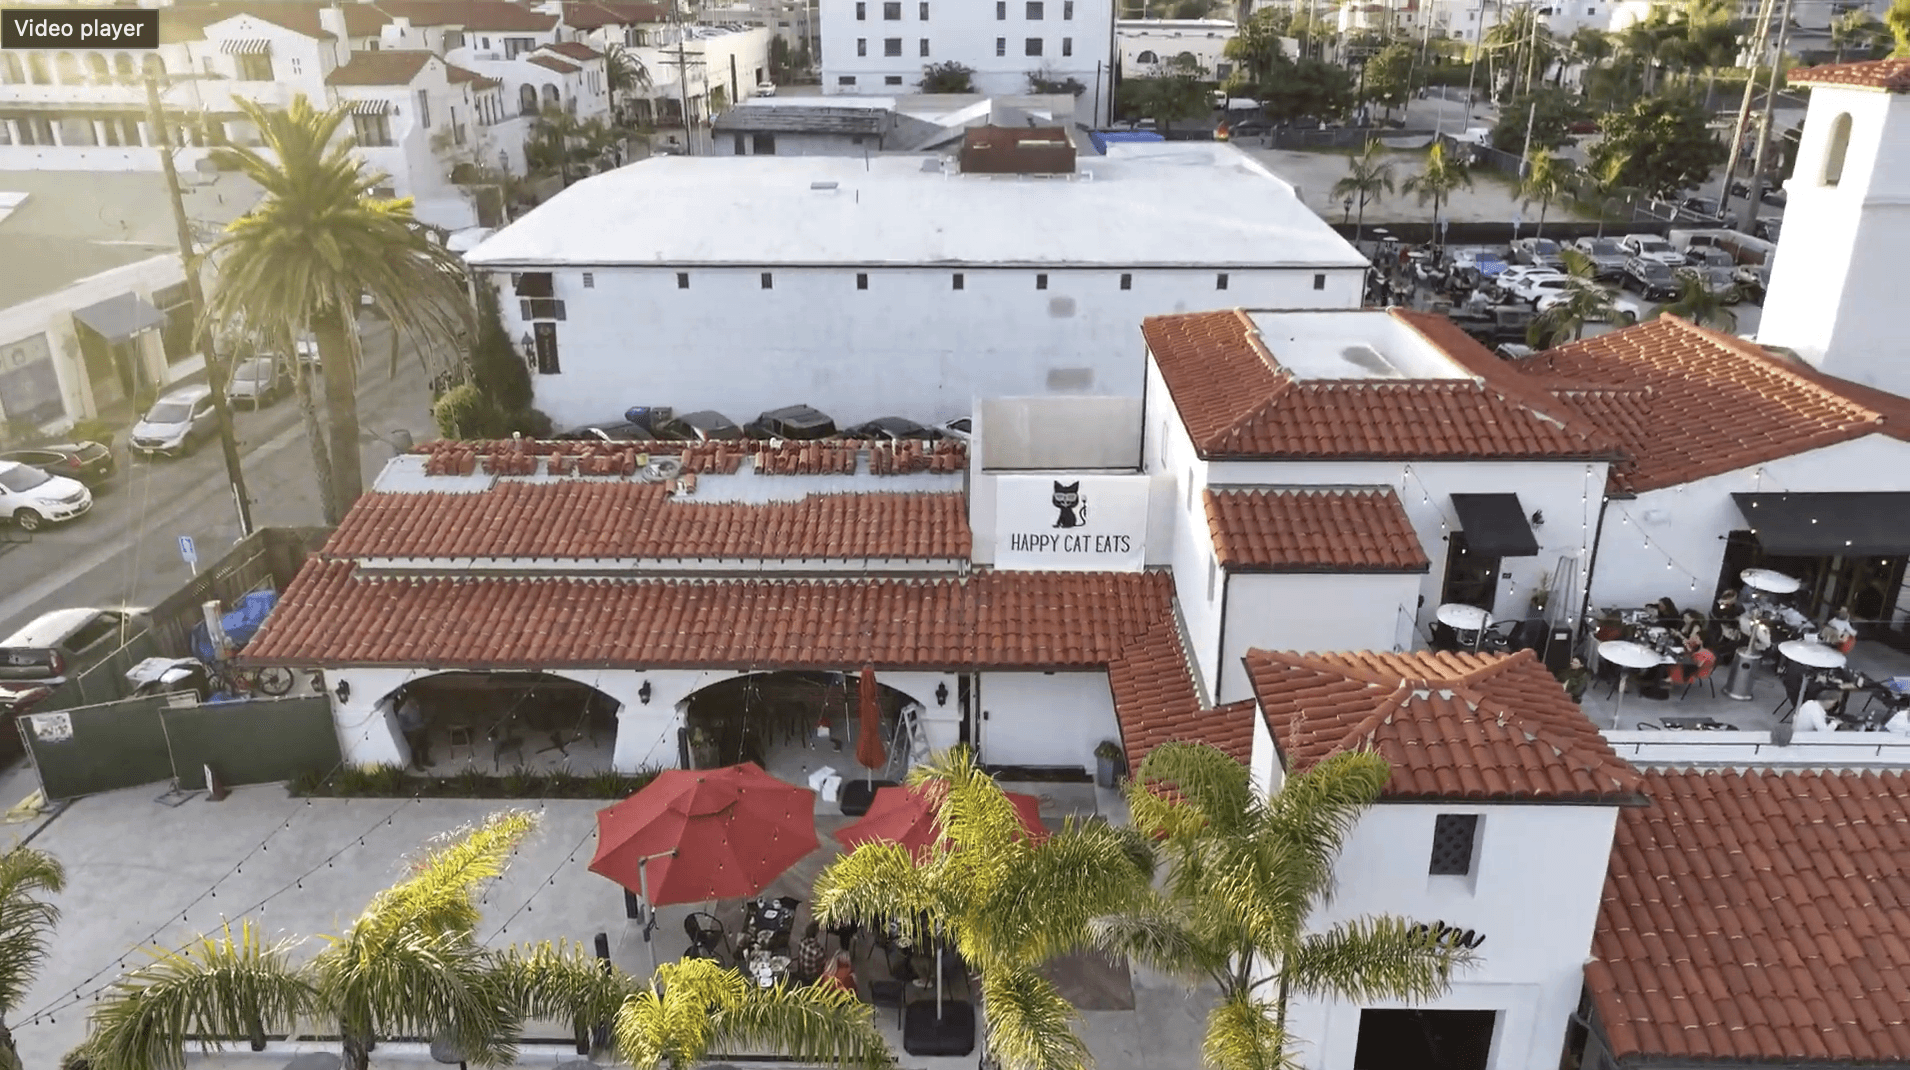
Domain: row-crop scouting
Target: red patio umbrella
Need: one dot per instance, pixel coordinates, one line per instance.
(870, 750)
(907, 816)
(698, 834)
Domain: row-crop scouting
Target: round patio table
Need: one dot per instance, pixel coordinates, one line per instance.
(1628, 655)
(1769, 581)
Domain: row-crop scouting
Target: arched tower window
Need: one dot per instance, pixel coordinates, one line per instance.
(1836, 149)
(1147, 57)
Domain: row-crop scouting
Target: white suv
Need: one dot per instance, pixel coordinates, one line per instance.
(30, 497)
(1651, 247)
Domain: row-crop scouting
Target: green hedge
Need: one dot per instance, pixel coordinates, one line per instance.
(393, 782)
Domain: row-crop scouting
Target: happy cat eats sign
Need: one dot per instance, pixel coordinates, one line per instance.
(1073, 523)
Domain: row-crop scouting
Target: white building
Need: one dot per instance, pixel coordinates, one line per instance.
(856, 126)
(943, 286)
(704, 68)
(881, 46)
(1145, 44)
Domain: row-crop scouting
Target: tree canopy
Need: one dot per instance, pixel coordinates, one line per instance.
(1551, 123)
(948, 77)
(1665, 144)
(1388, 75)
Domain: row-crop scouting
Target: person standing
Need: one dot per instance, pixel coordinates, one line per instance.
(411, 723)
(807, 961)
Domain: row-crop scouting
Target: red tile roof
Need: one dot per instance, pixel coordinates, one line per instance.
(585, 16)
(1453, 726)
(493, 15)
(391, 66)
(459, 75)
(1890, 75)
(574, 50)
(561, 66)
(1355, 529)
(187, 20)
(587, 518)
(1759, 918)
(1686, 402)
(1238, 401)
(836, 456)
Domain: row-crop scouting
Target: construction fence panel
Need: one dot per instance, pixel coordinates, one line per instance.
(99, 748)
(258, 741)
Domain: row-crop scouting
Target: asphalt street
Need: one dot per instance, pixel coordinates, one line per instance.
(126, 550)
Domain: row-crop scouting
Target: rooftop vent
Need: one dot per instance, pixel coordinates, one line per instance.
(822, 185)
(998, 150)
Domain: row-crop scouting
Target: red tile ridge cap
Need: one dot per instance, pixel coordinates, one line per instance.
(1891, 74)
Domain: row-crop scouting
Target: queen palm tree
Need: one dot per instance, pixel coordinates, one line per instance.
(690, 1008)
(1702, 305)
(1437, 181)
(1547, 178)
(1584, 301)
(1005, 904)
(317, 242)
(1605, 180)
(1368, 176)
(27, 920)
(1244, 874)
(623, 73)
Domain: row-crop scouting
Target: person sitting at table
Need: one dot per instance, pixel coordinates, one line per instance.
(808, 959)
(1838, 632)
(1696, 662)
(1576, 679)
(1814, 714)
(1667, 613)
(1691, 624)
(1726, 606)
(840, 973)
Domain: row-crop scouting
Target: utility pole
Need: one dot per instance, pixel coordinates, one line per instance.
(1532, 44)
(683, 81)
(1472, 74)
(1747, 215)
(1760, 35)
(215, 366)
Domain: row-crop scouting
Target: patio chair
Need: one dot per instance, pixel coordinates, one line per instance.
(502, 745)
(707, 937)
(460, 734)
(1702, 675)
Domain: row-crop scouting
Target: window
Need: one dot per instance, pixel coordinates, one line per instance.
(862, 12)
(1147, 58)
(1001, 46)
(922, 11)
(1041, 281)
(892, 46)
(862, 46)
(372, 131)
(924, 45)
(453, 39)
(892, 11)
(960, 282)
(1032, 47)
(527, 99)
(1435, 1040)
(1067, 46)
(1837, 148)
(1067, 9)
(1001, 10)
(1452, 844)
(893, 79)
(1034, 10)
(533, 284)
(256, 68)
(546, 334)
(846, 79)
(769, 281)
(424, 108)
(1220, 281)
(541, 308)
(1319, 281)
(862, 280)
(513, 46)
(763, 144)
(1127, 281)
(590, 280)
(682, 280)
(738, 145)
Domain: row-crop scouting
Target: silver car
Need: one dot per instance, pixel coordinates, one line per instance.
(176, 423)
(1607, 257)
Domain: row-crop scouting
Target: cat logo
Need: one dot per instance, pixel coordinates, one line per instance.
(1071, 508)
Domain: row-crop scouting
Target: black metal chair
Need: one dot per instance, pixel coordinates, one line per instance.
(706, 936)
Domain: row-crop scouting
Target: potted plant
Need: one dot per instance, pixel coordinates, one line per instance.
(1540, 597)
(1108, 762)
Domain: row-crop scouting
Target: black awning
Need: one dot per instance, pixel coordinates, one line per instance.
(119, 318)
(1822, 525)
(1495, 524)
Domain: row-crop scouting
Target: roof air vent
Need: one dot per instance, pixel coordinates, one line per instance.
(822, 185)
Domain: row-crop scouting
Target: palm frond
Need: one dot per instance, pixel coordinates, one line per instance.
(1040, 907)
(671, 1021)
(1030, 1027)
(562, 981)
(1203, 779)
(1375, 958)
(876, 883)
(416, 982)
(221, 987)
(441, 893)
(1242, 1034)
(1163, 942)
(26, 918)
(824, 1024)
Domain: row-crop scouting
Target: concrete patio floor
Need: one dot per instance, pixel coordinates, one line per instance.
(1872, 658)
(299, 868)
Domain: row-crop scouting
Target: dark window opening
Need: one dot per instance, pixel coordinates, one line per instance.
(541, 308)
(892, 46)
(769, 281)
(682, 280)
(1319, 282)
(1472, 577)
(1127, 281)
(533, 284)
(892, 11)
(893, 79)
(762, 144)
(1032, 46)
(1424, 1040)
(1041, 281)
(862, 280)
(1452, 844)
(960, 283)
(1220, 281)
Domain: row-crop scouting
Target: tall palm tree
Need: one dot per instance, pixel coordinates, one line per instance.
(1368, 176)
(1702, 305)
(1605, 180)
(1437, 181)
(27, 920)
(692, 1007)
(1584, 301)
(1005, 904)
(1547, 178)
(315, 243)
(1244, 875)
(623, 73)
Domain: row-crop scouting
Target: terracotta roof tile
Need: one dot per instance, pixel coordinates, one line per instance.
(840, 456)
(1758, 917)
(1454, 726)
(574, 50)
(591, 16)
(361, 20)
(459, 75)
(1357, 529)
(585, 519)
(552, 63)
(493, 15)
(1686, 402)
(1891, 75)
(391, 66)
(1238, 401)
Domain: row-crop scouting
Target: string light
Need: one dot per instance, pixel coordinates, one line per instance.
(549, 880)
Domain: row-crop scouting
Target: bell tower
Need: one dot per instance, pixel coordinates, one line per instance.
(1838, 285)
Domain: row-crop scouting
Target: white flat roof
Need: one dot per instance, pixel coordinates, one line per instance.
(1352, 345)
(1193, 204)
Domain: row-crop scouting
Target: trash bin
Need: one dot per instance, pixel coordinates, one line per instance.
(1743, 667)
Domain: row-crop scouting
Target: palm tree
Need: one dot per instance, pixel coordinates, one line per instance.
(692, 1007)
(1367, 177)
(27, 920)
(1701, 304)
(623, 73)
(1244, 874)
(1898, 19)
(1005, 904)
(1547, 178)
(1436, 183)
(1584, 301)
(316, 243)
(1606, 180)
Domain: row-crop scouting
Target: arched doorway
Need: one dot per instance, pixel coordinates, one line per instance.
(793, 724)
(500, 722)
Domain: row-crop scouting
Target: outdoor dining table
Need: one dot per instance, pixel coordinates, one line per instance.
(1628, 655)
(1463, 618)
(1769, 581)
(1810, 655)
(766, 969)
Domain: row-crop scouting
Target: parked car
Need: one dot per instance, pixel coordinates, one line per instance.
(1495, 325)
(608, 431)
(1775, 196)
(1653, 280)
(802, 423)
(1532, 287)
(1717, 268)
(64, 642)
(1768, 227)
(1608, 260)
(91, 463)
(892, 428)
(258, 381)
(1514, 351)
(30, 497)
(1624, 310)
(1513, 275)
(1651, 247)
(176, 423)
(1537, 252)
(703, 426)
(763, 89)
(1752, 281)
(961, 427)
(1699, 208)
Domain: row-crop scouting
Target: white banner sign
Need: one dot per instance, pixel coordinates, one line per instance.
(1071, 523)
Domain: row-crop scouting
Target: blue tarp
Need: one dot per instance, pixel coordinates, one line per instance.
(240, 625)
(1103, 138)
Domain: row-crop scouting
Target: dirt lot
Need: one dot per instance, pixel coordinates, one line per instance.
(1490, 200)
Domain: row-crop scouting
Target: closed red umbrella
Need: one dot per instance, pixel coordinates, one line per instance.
(870, 750)
(697, 834)
(908, 816)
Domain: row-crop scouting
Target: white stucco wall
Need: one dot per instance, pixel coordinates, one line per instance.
(796, 144)
(1533, 894)
(1312, 611)
(1166, 39)
(1037, 718)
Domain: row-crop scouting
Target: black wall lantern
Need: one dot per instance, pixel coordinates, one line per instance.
(643, 693)
(343, 691)
(941, 693)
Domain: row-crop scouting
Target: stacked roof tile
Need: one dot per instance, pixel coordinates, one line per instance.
(576, 50)
(836, 456)
(620, 520)
(497, 16)
(1359, 529)
(1758, 918)
(391, 66)
(1889, 75)
(1453, 726)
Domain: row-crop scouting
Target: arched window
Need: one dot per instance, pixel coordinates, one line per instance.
(97, 69)
(36, 64)
(1836, 149)
(551, 96)
(153, 66)
(124, 70)
(68, 68)
(1147, 57)
(10, 70)
(527, 99)
(1187, 59)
